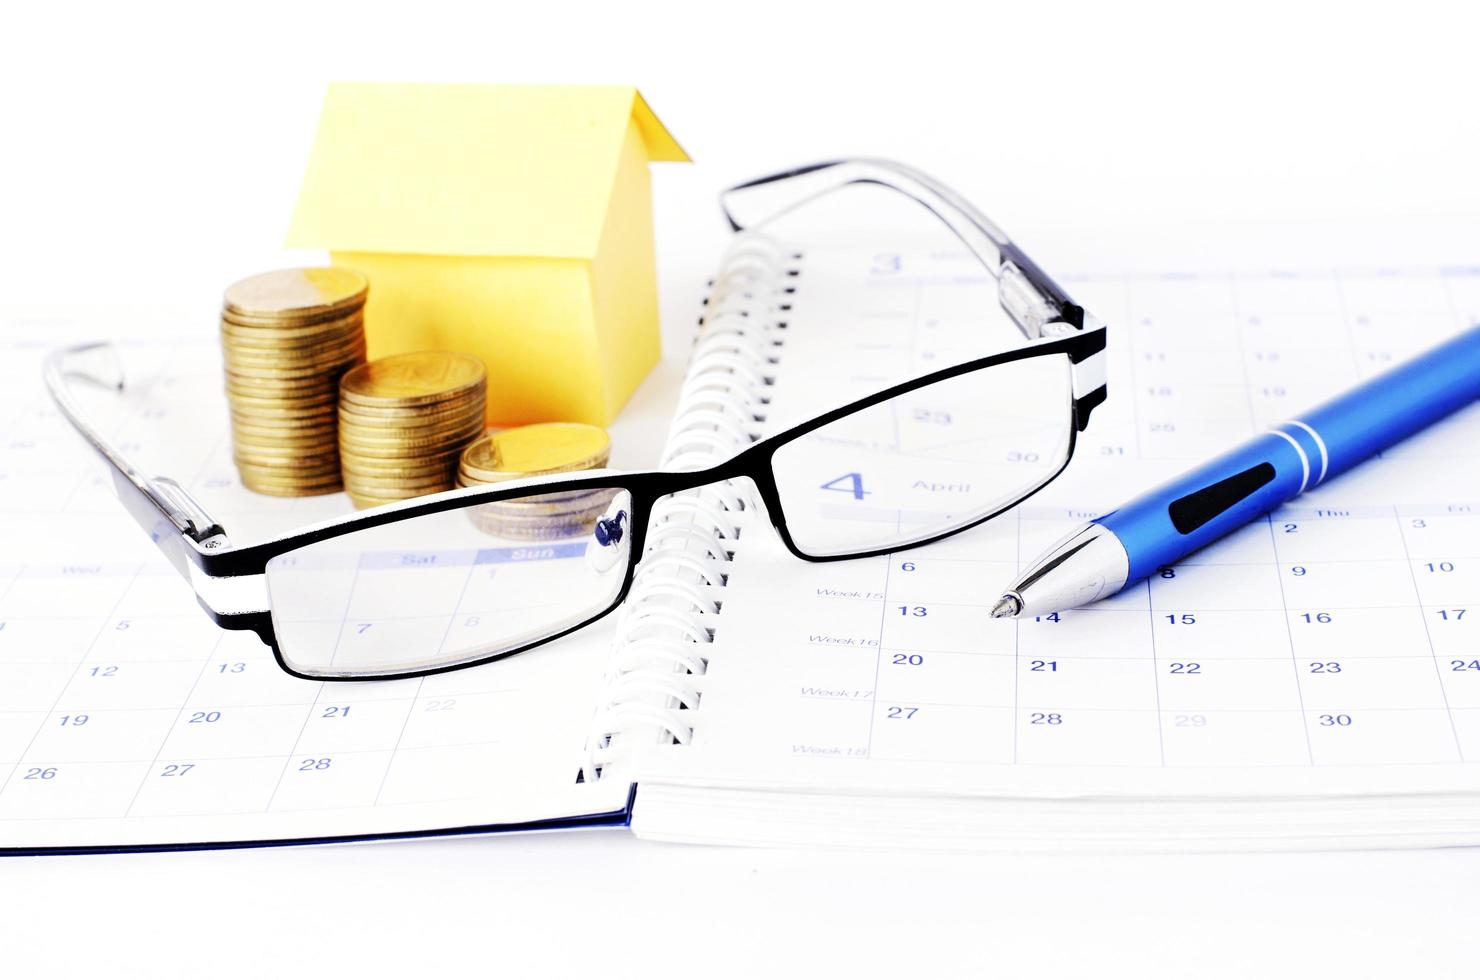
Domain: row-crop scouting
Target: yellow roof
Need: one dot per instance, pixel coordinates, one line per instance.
(468, 169)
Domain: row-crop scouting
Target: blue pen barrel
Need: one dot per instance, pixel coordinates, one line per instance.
(1258, 476)
(1394, 405)
(1204, 504)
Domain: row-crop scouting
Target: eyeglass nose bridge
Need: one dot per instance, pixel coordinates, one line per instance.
(744, 483)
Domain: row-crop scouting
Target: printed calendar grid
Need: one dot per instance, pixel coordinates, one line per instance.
(1418, 699)
(1431, 663)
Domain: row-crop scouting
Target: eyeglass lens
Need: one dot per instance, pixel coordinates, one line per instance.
(929, 461)
(450, 587)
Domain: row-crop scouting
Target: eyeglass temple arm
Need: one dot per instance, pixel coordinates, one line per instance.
(1026, 292)
(160, 505)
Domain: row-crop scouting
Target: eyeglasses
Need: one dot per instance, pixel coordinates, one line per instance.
(477, 574)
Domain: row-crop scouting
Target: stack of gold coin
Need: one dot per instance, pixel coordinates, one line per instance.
(403, 423)
(286, 338)
(537, 450)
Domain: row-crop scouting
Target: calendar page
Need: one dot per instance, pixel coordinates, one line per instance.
(128, 718)
(1332, 647)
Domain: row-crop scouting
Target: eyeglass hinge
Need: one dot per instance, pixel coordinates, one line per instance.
(1032, 311)
(203, 528)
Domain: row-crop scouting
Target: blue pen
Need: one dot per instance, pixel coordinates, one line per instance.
(1197, 508)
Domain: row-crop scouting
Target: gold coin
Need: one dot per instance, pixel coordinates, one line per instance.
(287, 456)
(284, 326)
(285, 419)
(382, 441)
(296, 294)
(363, 501)
(382, 484)
(463, 414)
(317, 440)
(280, 374)
(279, 475)
(287, 324)
(285, 471)
(404, 476)
(262, 450)
(407, 447)
(477, 477)
(267, 402)
(268, 394)
(473, 481)
(286, 488)
(323, 376)
(433, 428)
(410, 471)
(268, 425)
(529, 450)
(259, 400)
(297, 430)
(549, 508)
(272, 489)
(413, 379)
(268, 327)
(270, 428)
(371, 456)
(270, 474)
(404, 455)
(401, 456)
(320, 382)
(378, 487)
(400, 478)
(403, 444)
(313, 444)
(297, 355)
(257, 407)
(247, 379)
(467, 402)
(247, 394)
(276, 333)
(558, 498)
(318, 346)
(586, 515)
(412, 428)
(574, 526)
(284, 368)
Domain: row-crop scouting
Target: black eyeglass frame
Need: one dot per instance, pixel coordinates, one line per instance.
(199, 548)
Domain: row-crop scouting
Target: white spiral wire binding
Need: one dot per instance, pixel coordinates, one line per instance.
(655, 674)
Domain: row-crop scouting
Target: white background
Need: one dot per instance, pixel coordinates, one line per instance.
(150, 154)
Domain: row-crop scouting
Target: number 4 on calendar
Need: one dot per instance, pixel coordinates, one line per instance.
(849, 483)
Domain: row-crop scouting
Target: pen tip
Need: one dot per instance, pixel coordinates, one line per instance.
(1007, 607)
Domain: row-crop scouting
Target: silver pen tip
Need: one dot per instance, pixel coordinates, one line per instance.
(1007, 607)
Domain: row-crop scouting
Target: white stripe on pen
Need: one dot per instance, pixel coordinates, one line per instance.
(1304, 459)
(1320, 444)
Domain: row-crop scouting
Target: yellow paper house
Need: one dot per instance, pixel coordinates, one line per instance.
(510, 222)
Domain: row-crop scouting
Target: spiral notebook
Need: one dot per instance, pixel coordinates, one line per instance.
(1311, 681)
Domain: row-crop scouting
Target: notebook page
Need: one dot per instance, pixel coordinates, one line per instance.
(1330, 648)
(127, 717)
